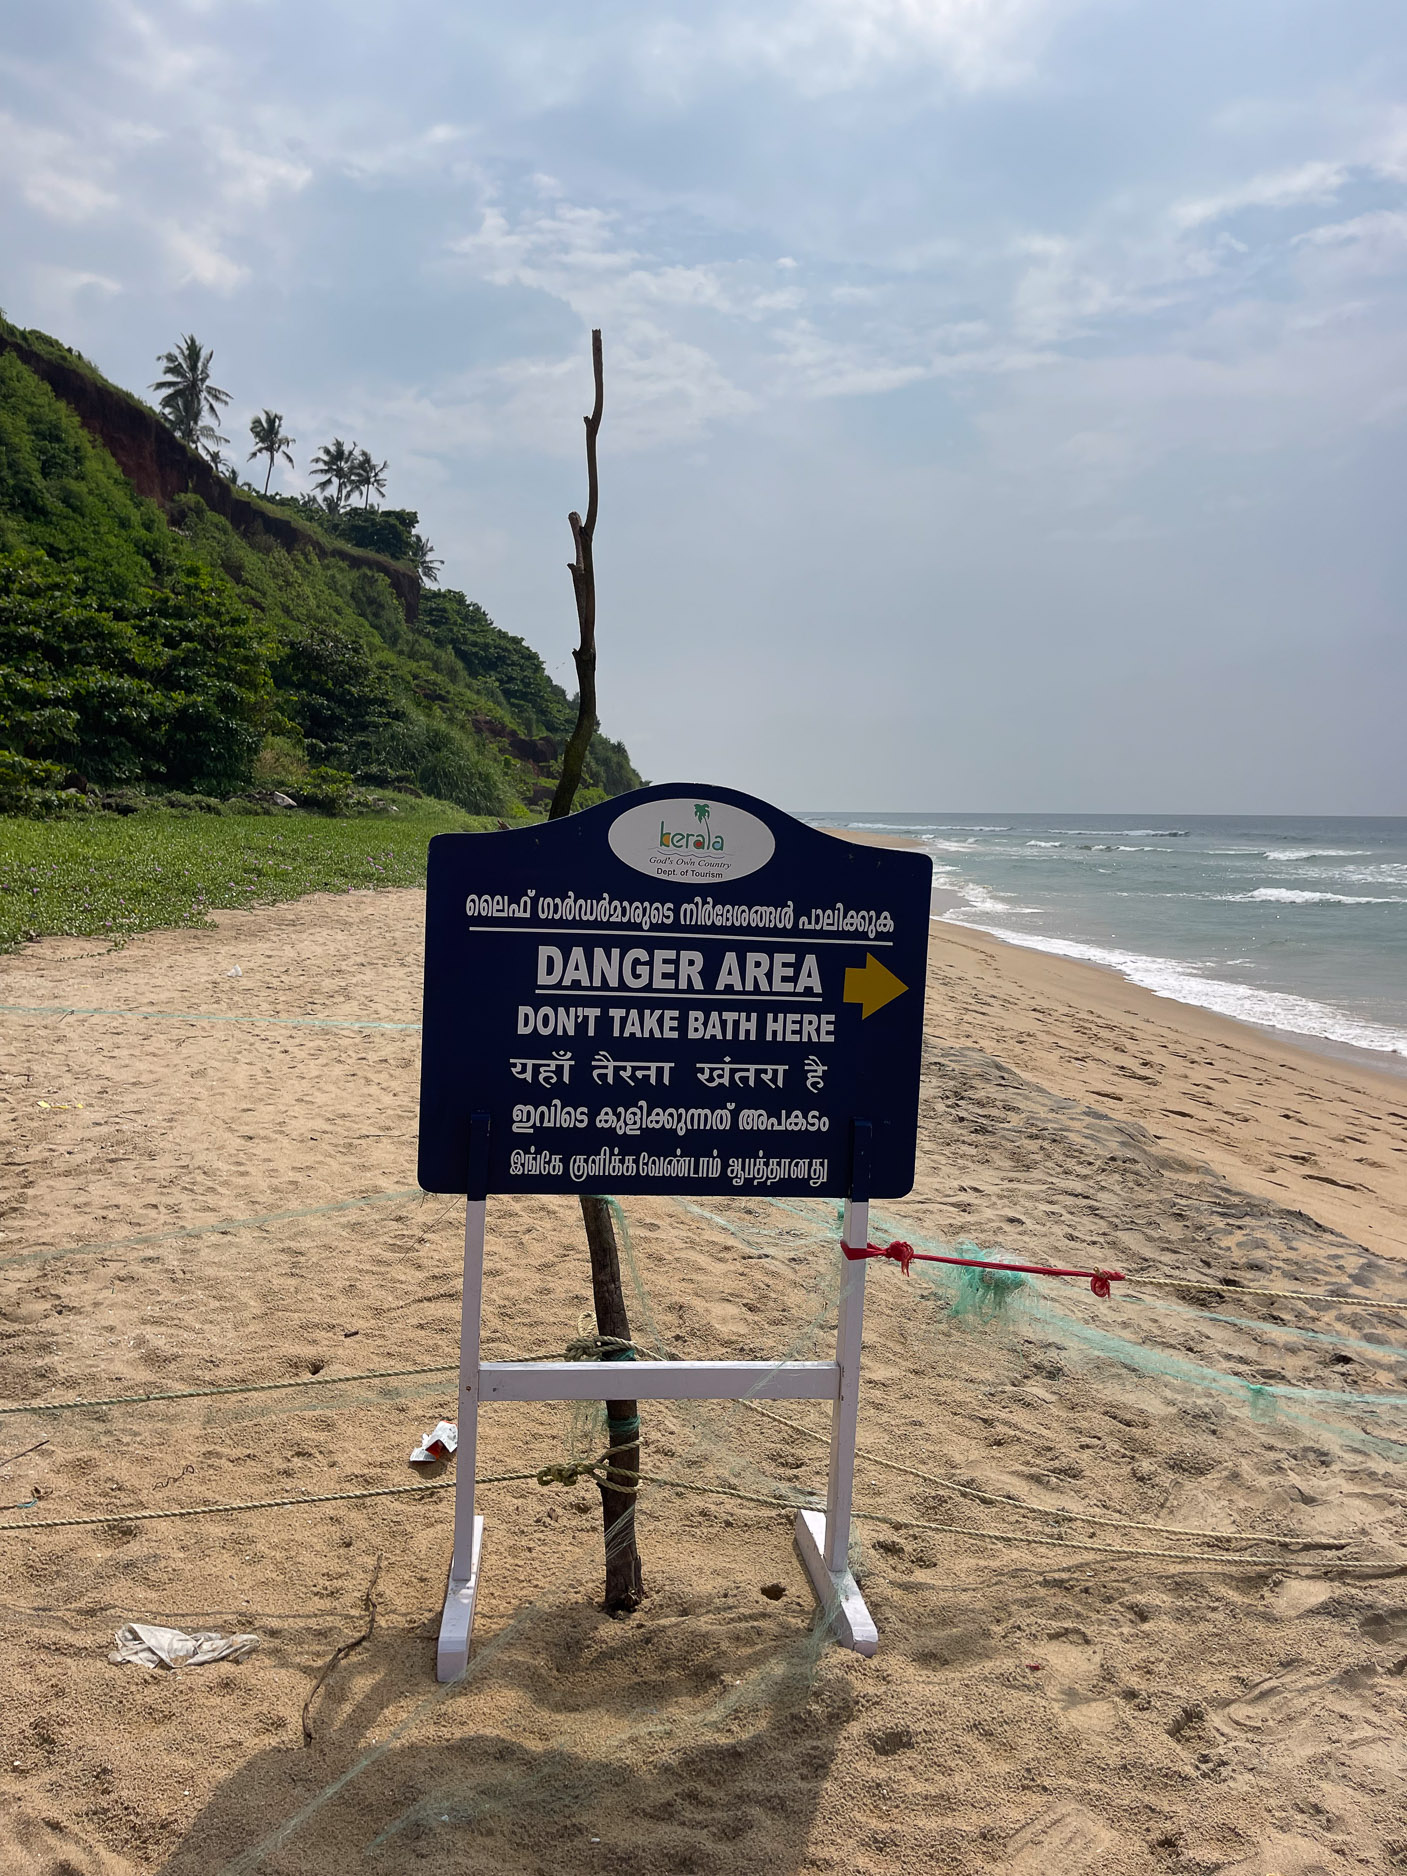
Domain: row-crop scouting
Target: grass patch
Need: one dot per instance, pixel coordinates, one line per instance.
(111, 876)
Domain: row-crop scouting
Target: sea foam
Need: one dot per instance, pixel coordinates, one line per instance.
(1180, 983)
(1288, 895)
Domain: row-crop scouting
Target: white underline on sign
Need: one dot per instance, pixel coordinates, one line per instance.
(718, 937)
(697, 996)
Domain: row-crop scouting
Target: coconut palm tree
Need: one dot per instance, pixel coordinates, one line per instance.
(368, 477)
(426, 567)
(336, 461)
(270, 440)
(188, 397)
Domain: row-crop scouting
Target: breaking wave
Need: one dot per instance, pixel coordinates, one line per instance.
(1182, 983)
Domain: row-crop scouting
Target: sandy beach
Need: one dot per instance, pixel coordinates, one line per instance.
(1140, 1591)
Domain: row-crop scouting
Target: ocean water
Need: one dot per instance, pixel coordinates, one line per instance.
(1293, 923)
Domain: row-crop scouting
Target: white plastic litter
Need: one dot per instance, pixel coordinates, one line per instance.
(437, 1444)
(152, 1647)
(236, 972)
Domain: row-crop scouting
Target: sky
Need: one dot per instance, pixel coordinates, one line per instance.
(1005, 399)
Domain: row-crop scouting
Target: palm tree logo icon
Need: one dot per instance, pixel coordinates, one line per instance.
(701, 814)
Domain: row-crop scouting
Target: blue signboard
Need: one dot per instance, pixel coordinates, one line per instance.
(683, 990)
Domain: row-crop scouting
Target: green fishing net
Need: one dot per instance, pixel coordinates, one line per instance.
(981, 1299)
(981, 1296)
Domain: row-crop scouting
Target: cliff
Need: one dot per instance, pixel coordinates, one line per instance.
(161, 467)
(161, 629)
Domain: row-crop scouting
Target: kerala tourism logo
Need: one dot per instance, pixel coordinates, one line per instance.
(707, 842)
(687, 838)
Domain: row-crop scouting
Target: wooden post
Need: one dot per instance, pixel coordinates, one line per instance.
(623, 1579)
(583, 571)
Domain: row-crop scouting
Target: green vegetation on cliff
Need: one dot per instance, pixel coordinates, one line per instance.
(169, 646)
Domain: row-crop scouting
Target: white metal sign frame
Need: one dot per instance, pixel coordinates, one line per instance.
(822, 1539)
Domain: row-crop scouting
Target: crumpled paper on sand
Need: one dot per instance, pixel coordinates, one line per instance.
(153, 1647)
(439, 1443)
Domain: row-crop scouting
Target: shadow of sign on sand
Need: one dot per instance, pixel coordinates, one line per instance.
(692, 1743)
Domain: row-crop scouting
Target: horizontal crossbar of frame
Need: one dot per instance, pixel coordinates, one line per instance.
(658, 1380)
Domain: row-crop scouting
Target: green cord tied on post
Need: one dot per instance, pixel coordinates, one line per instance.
(627, 1426)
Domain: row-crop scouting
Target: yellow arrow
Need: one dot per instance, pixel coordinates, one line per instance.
(872, 987)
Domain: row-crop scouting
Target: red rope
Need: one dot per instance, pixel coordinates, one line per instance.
(904, 1254)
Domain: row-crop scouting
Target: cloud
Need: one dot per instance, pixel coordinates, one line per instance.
(59, 292)
(250, 177)
(667, 385)
(440, 149)
(897, 295)
(1375, 153)
(660, 391)
(156, 50)
(196, 258)
(563, 249)
(1317, 181)
(1378, 239)
(56, 175)
(823, 47)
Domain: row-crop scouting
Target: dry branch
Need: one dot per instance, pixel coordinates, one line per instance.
(623, 1582)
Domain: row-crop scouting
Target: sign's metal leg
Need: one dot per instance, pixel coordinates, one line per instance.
(823, 1543)
(850, 1329)
(457, 1621)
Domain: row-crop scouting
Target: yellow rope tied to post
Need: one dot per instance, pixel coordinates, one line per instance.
(601, 1471)
(211, 1393)
(1233, 1290)
(582, 1348)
